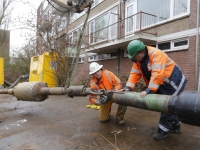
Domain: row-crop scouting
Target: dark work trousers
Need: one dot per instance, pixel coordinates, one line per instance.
(174, 85)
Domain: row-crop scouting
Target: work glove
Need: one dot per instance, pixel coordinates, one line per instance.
(102, 100)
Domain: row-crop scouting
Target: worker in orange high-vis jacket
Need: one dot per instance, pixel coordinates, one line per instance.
(162, 76)
(104, 79)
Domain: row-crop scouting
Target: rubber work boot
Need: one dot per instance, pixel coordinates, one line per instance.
(160, 135)
(176, 129)
(120, 122)
(93, 106)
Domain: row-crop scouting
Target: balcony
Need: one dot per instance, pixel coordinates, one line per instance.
(119, 34)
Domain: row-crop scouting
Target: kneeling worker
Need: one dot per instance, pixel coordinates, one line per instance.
(104, 79)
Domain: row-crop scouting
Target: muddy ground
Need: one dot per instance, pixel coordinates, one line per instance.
(62, 123)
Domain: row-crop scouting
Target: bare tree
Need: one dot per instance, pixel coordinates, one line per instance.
(6, 10)
(52, 39)
(5, 14)
(20, 56)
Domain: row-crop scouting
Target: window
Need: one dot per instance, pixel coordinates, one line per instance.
(96, 2)
(74, 16)
(130, 11)
(174, 45)
(71, 38)
(125, 53)
(180, 44)
(169, 46)
(104, 56)
(81, 60)
(74, 36)
(112, 30)
(51, 14)
(99, 30)
(92, 58)
(165, 9)
(62, 23)
(180, 6)
(45, 4)
(71, 51)
(164, 46)
(156, 7)
(113, 55)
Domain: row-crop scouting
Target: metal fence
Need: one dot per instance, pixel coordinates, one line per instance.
(136, 24)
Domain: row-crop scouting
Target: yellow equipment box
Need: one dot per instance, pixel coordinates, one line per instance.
(1, 71)
(43, 68)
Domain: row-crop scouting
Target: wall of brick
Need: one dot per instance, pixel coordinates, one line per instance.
(193, 14)
(173, 27)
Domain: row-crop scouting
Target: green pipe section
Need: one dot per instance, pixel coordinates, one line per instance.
(154, 102)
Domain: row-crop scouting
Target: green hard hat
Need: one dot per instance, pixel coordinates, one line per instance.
(134, 47)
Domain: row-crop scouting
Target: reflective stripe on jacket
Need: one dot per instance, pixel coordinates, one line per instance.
(108, 82)
(160, 66)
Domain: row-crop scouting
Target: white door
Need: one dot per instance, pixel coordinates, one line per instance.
(130, 21)
(113, 25)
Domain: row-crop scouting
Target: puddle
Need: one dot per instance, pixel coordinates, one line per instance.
(20, 111)
(21, 121)
(16, 124)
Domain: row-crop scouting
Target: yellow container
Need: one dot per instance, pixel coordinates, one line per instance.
(43, 69)
(1, 71)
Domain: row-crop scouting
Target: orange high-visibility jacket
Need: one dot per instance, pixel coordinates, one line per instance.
(160, 66)
(108, 81)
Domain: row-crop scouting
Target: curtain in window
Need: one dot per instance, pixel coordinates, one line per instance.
(160, 8)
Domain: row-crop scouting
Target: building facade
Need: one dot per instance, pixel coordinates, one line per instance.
(170, 25)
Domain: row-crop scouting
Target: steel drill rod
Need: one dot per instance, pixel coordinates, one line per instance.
(186, 105)
(6, 91)
(154, 102)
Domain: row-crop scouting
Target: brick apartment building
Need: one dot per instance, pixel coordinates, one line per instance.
(170, 25)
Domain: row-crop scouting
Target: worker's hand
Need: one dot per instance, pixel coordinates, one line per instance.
(121, 90)
(101, 100)
(143, 94)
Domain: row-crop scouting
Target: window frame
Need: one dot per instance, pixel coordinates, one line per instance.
(172, 49)
(182, 46)
(171, 17)
(81, 60)
(107, 28)
(95, 4)
(97, 57)
(178, 48)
